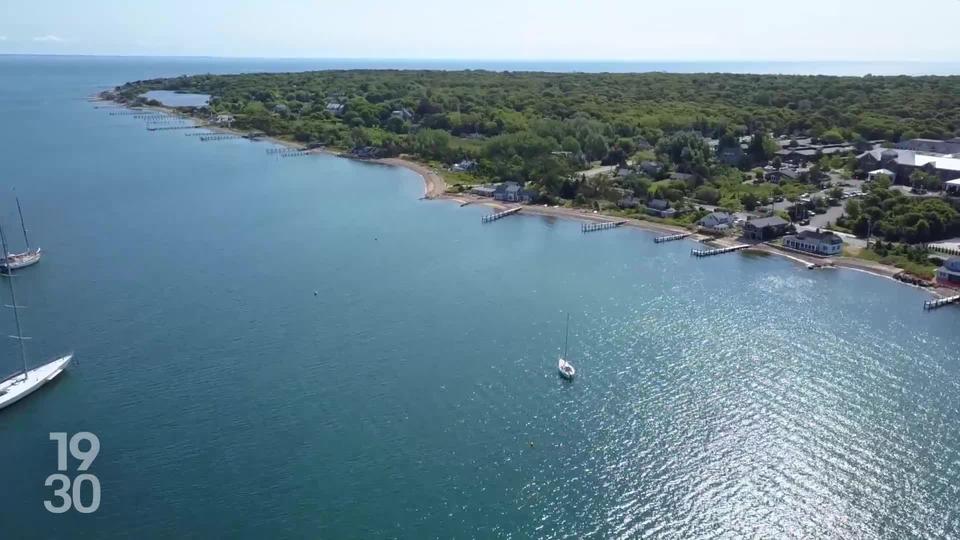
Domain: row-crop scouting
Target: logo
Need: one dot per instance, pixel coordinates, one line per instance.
(82, 492)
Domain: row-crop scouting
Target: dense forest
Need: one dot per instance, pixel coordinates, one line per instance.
(541, 128)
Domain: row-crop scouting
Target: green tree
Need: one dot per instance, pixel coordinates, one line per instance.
(707, 194)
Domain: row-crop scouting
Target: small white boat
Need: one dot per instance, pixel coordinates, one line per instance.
(15, 261)
(566, 369)
(22, 384)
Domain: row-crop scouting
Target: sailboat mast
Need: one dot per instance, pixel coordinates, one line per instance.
(13, 300)
(23, 225)
(566, 336)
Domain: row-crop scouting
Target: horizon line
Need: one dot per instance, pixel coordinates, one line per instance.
(479, 59)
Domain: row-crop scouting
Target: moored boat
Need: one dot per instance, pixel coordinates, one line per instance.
(23, 384)
(15, 261)
(566, 369)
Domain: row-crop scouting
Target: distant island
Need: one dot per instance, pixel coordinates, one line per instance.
(673, 148)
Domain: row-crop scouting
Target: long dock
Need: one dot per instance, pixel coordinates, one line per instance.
(590, 227)
(287, 152)
(670, 238)
(218, 136)
(499, 215)
(940, 302)
(165, 128)
(718, 251)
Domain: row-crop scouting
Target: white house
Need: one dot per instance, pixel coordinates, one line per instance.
(223, 120)
(821, 243)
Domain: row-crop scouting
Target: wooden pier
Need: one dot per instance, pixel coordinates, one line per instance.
(499, 215)
(126, 112)
(940, 302)
(718, 251)
(287, 152)
(670, 238)
(199, 133)
(218, 136)
(602, 226)
(165, 128)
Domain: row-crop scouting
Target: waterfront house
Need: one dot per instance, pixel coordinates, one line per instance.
(628, 202)
(763, 229)
(661, 208)
(223, 120)
(820, 243)
(365, 152)
(716, 221)
(513, 192)
(483, 191)
(949, 273)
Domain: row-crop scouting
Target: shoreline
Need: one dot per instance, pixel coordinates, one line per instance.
(435, 189)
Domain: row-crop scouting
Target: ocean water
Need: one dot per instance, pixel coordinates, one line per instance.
(415, 395)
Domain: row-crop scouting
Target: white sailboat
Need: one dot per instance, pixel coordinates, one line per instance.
(26, 381)
(14, 261)
(567, 371)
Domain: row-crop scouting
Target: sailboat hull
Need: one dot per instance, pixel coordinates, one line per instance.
(19, 386)
(15, 261)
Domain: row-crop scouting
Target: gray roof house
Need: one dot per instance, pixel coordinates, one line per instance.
(716, 221)
(483, 191)
(513, 192)
(764, 228)
(660, 207)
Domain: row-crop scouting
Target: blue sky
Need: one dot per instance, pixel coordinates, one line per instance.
(922, 30)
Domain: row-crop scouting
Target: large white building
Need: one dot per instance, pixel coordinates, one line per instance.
(820, 243)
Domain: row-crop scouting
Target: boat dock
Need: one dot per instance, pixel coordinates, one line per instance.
(499, 215)
(718, 251)
(126, 112)
(590, 227)
(218, 136)
(940, 302)
(670, 238)
(165, 128)
(286, 152)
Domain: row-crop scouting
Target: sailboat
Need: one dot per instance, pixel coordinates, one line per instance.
(13, 261)
(26, 381)
(566, 369)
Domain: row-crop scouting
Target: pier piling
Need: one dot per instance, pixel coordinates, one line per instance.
(670, 238)
(602, 226)
(940, 302)
(499, 215)
(718, 251)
